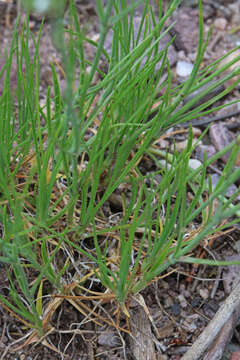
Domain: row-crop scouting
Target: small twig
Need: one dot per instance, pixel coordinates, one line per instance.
(223, 338)
(212, 330)
(215, 41)
(214, 169)
(3, 332)
(225, 334)
(205, 122)
(216, 283)
(196, 278)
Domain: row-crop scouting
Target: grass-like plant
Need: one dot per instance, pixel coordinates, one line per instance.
(61, 162)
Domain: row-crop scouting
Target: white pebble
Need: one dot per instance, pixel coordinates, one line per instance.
(184, 68)
(194, 164)
(204, 293)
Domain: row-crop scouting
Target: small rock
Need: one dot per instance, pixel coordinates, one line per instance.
(220, 23)
(204, 293)
(168, 302)
(181, 145)
(187, 26)
(208, 311)
(194, 164)
(115, 201)
(229, 109)
(110, 339)
(158, 178)
(232, 68)
(181, 55)
(189, 323)
(184, 68)
(32, 24)
(195, 301)
(172, 54)
(235, 355)
(202, 149)
(231, 190)
(231, 274)
(236, 246)
(165, 331)
(234, 8)
(208, 11)
(182, 287)
(176, 309)
(163, 144)
(214, 180)
(196, 132)
(221, 137)
(189, 327)
(164, 164)
(187, 294)
(182, 301)
(164, 284)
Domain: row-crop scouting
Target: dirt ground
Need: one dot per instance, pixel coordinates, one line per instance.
(179, 306)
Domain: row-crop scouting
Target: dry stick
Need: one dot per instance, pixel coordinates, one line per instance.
(205, 122)
(211, 331)
(224, 336)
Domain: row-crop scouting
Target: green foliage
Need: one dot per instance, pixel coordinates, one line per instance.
(43, 144)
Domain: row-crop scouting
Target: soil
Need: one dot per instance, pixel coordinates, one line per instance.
(170, 314)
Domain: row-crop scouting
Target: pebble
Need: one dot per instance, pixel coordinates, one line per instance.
(184, 68)
(176, 309)
(163, 144)
(164, 164)
(164, 284)
(194, 164)
(181, 55)
(208, 311)
(230, 108)
(232, 68)
(168, 302)
(195, 301)
(204, 293)
(182, 301)
(110, 339)
(189, 323)
(32, 24)
(187, 294)
(221, 137)
(181, 145)
(232, 189)
(220, 23)
(236, 246)
(202, 149)
(189, 327)
(196, 132)
(234, 8)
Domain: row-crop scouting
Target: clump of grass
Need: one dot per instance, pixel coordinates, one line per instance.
(61, 163)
